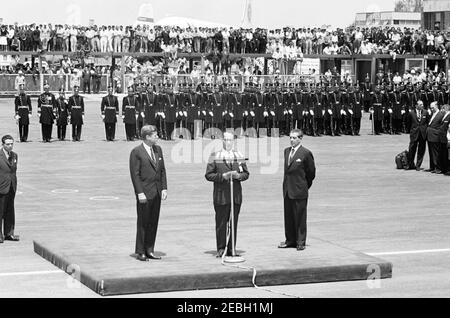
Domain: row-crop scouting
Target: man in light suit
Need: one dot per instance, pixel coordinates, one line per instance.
(8, 187)
(148, 175)
(433, 138)
(222, 166)
(417, 120)
(299, 173)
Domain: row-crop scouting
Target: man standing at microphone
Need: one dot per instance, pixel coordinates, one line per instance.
(223, 166)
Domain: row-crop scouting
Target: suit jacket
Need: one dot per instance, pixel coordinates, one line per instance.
(216, 167)
(418, 125)
(8, 176)
(433, 128)
(147, 177)
(299, 175)
(443, 129)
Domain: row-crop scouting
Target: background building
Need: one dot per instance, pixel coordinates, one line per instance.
(436, 14)
(389, 19)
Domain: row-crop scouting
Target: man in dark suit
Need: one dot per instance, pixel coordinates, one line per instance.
(443, 129)
(223, 166)
(418, 122)
(8, 187)
(148, 175)
(433, 138)
(299, 173)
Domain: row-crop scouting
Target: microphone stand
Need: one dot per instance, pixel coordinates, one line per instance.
(233, 258)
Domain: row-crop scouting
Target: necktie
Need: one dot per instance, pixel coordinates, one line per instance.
(10, 159)
(291, 156)
(152, 154)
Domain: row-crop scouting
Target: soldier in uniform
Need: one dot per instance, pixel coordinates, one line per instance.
(76, 110)
(378, 100)
(396, 102)
(110, 111)
(149, 108)
(160, 115)
(23, 110)
(142, 102)
(130, 109)
(346, 116)
(260, 110)
(356, 101)
(46, 112)
(298, 107)
(387, 110)
(336, 106)
(404, 102)
(62, 114)
(217, 108)
(170, 110)
(367, 93)
(193, 111)
(424, 96)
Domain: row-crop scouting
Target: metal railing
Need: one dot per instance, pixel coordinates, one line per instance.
(34, 84)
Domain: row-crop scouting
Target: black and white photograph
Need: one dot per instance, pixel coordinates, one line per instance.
(225, 154)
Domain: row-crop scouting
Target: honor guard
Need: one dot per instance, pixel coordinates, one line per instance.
(150, 107)
(217, 108)
(23, 110)
(396, 102)
(170, 110)
(387, 110)
(76, 110)
(193, 111)
(261, 113)
(367, 93)
(319, 102)
(46, 112)
(62, 114)
(130, 114)
(378, 100)
(142, 102)
(110, 111)
(298, 108)
(336, 104)
(356, 102)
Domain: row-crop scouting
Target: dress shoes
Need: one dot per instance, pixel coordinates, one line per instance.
(437, 172)
(419, 169)
(153, 256)
(285, 245)
(220, 253)
(142, 258)
(301, 247)
(429, 170)
(447, 173)
(13, 238)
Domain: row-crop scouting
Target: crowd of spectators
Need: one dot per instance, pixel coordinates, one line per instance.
(141, 38)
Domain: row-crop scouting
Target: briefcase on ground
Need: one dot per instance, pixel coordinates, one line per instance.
(401, 160)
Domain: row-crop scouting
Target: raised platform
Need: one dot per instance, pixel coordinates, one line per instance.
(113, 271)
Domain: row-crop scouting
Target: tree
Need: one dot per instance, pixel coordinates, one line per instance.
(408, 6)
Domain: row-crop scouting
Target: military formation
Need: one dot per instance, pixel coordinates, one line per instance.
(269, 109)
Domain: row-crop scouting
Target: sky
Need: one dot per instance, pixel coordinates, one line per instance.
(265, 13)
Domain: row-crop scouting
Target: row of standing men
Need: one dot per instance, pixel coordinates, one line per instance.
(318, 110)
